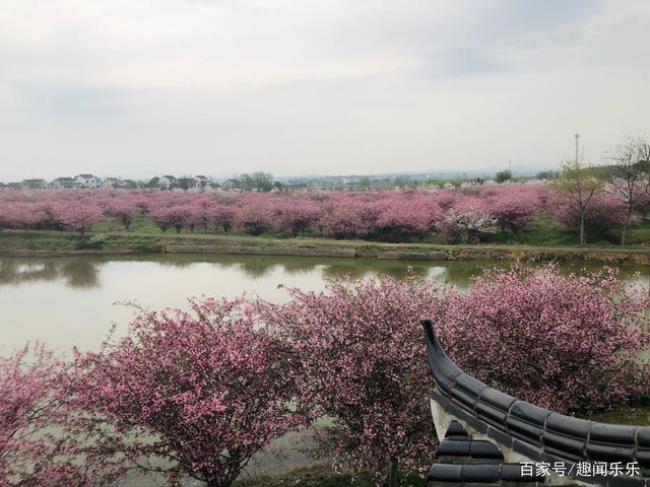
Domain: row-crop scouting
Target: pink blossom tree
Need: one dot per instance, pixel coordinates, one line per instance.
(294, 216)
(78, 214)
(37, 446)
(403, 218)
(604, 212)
(123, 208)
(254, 219)
(362, 353)
(175, 216)
(349, 216)
(566, 342)
(222, 217)
(514, 208)
(204, 390)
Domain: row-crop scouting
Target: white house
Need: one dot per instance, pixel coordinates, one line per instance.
(63, 183)
(33, 184)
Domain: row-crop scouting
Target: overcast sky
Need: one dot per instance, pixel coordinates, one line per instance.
(136, 88)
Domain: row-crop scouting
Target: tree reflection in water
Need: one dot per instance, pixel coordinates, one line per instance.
(77, 273)
(84, 272)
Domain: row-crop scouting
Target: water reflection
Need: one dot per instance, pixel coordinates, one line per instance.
(69, 301)
(85, 272)
(76, 273)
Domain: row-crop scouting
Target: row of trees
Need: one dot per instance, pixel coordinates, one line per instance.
(586, 199)
(459, 215)
(197, 393)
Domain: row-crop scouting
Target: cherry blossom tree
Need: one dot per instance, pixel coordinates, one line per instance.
(294, 216)
(37, 446)
(124, 208)
(349, 216)
(175, 216)
(566, 342)
(604, 212)
(203, 390)
(362, 353)
(514, 208)
(222, 217)
(254, 219)
(78, 214)
(403, 218)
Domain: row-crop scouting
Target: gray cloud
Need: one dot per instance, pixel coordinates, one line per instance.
(221, 87)
(467, 61)
(70, 103)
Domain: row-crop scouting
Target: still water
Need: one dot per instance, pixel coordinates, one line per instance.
(76, 300)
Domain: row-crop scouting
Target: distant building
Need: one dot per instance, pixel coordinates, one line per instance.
(231, 184)
(63, 183)
(33, 184)
(88, 181)
(185, 183)
(201, 182)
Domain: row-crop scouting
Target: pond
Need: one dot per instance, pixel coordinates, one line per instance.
(68, 301)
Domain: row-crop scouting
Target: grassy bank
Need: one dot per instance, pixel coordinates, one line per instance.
(27, 243)
(541, 240)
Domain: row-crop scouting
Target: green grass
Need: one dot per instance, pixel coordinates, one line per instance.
(542, 232)
(639, 235)
(141, 224)
(546, 232)
(543, 238)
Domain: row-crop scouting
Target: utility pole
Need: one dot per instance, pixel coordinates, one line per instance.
(577, 136)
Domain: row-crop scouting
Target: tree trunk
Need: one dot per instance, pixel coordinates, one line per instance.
(626, 225)
(393, 473)
(582, 227)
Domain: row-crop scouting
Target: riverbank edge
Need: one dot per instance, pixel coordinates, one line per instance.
(50, 243)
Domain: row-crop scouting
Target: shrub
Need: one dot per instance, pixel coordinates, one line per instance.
(566, 342)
